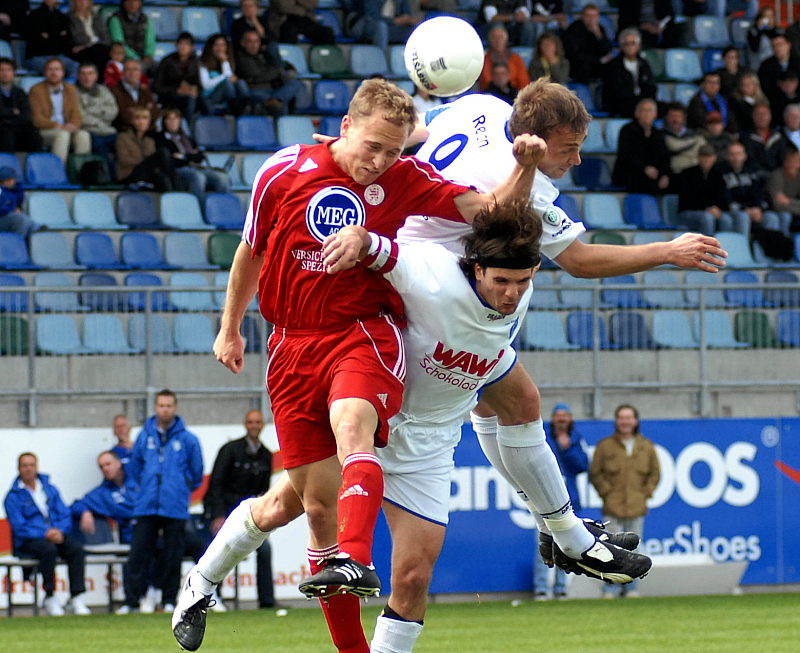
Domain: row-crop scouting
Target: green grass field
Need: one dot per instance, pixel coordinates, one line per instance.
(707, 624)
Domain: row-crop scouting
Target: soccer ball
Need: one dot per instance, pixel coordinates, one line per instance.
(444, 56)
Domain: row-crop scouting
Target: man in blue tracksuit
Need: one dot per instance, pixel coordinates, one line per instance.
(167, 464)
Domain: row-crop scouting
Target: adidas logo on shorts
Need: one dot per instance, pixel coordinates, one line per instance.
(354, 490)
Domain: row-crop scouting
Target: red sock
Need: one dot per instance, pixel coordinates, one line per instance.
(359, 502)
(342, 612)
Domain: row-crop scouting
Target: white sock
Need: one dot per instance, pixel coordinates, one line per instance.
(393, 636)
(238, 537)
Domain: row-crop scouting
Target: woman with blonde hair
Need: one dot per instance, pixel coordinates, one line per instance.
(549, 60)
(748, 94)
(89, 34)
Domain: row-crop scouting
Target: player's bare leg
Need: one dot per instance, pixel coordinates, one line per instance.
(416, 544)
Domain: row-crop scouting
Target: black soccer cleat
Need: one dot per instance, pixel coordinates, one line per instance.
(342, 575)
(623, 539)
(605, 561)
(189, 617)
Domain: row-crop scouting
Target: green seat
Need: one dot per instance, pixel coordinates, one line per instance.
(608, 238)
(753, 327)
(328, 61)
(13, 335)
(76, 161)
(221, 249)
(656, 60)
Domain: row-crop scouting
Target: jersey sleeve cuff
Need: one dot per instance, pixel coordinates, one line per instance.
(382, 254)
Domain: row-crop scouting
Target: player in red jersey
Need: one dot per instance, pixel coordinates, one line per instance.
(336, 364)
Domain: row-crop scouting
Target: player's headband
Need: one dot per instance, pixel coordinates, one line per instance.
(508, 263)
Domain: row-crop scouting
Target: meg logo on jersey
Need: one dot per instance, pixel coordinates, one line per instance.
(331, 209)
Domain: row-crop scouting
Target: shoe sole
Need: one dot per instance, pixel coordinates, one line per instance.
(314, 591)
(614, 577)
(187, 646)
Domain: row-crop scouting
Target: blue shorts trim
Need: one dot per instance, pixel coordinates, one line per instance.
(502, 376)
(416, 514)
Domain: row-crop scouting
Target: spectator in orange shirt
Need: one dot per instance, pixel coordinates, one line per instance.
(499, 52)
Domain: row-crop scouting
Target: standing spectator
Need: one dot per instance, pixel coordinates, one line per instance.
(642, 164)
(682, 143)
(12, 18)
(513, 15)
(57, 113)
(139, 162)
(191, 171)
(716, 136)
(706, 100)
(500, 85)
(99, 110)
(41, 526)
(17, 132)
(567, 444)
(764, 145)
(625, 472)
(759, 36)
(499, 52)
(131, 92)
(787, 94)
(12, 196)
(587, 45)
(48, 37)
(549, 59)
(628, 77)
(784, 190)
(771, 69)
(167, 464)
(131, 26)
(748, 94)
(250, 20)
(177, 80)
(89, 34)
(381, 23)
(222, 90)
(243, 469)
(290, 18)
(731, 71)
(122, 432)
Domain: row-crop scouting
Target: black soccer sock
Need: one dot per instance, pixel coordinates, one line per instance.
(391, 614)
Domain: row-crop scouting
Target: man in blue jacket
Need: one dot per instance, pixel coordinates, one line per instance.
(41, 526)
(167, 464)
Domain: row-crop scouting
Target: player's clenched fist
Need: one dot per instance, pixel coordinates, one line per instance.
(229, 350)
(529, 149)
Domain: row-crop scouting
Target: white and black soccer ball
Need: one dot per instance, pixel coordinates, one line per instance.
(444, 56)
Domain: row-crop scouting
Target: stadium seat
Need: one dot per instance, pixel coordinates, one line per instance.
(13, 335)
(50, 210)
(11, 160)
(330, 125)
(593, 174)
(224, 211)
(788, 297)
(545, 330)
(581, 333)
(684, 93)
(743, 297)
(628, 330)
(29, 81)
(788, 328)
(253, 333)
(14, 253)
(201, 22)
(136, 210)
(328, 61)
(671, 330)
(221, 281)
(718, 330)
(162, 49)
(575, 298)
(251, 163)
(46, 170)
(256, 133)
(656, 61)
(13, 302)
(738, 248)
(711, 297)
(669, 208)
(5, 50)
(142, 251)
(103, 334)
(95, 211)
(214, 132)
(192, 333)
(682, 65)
(331, 19)
(594, 141)
(602, 211)
(96, 251)
(75, 163)
(50, 249)
(293, 54)
(165, 22)
(137, 300)
(542, 296)
(569, 204)
(739, 28)
(185, 250)
(56, 302)
(222, 248)
(397, 62)
(566, 182)
(367, 60)
(58, 335)
(181, 211)
(712, 59)
(584, 94)
(331, 96)
(669, 298)
(608, 238)
(753, 327)
(295, 129)
(524, 52)
(227, 162)
(184, 300)
(160, 335)
(98, 300)
(664, 93)
(709, 32)
(643, 211)
(647, 237)
(612, 129)
(624, 298)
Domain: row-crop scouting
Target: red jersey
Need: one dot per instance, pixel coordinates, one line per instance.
(300, 196)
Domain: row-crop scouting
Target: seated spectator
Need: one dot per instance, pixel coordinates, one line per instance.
(787, 94)
(706, 100)
(716, 136)
(99, 110)
(48, 37)
(89, 34)
(587, 45)
(703, 198)
(770, 70)
(177, 79)
(12, 196)
(748, 94)
(12, 18)
(512, 15)
(112, 73)
(139, 163)
(57, 113)
(730, 72)
(789, 133)
(381, 23)
(642, 164)
(499, 52)
(551, 15)
(793, 34)
(132, 92)
(17, 132)
(549, 59)
(682, 143)
(759, 36)
(655, 21)
(223, 92)
(131, 27)
(272, 87)
(41, 525)
(289, 18)
(762, 143)
(424, 101)
(192, 172)
(500, 86)
(628, 77)
(783, 188)
(250, 20)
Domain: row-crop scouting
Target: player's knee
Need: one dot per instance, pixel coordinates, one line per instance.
(321, 519)
(521, 408)
(412, 579)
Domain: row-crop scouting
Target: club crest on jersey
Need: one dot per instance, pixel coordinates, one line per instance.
(374, 194)
(551, 216)
(331, 209)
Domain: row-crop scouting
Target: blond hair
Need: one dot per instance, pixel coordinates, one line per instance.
(543, 107)
(390, 101)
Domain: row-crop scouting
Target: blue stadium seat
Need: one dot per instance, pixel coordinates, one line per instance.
(181, 211)
(718, 330)
(50, 210)
(253, 333)
(595, 142)
(664, 93)
(684, 93)
(542, 296)
(578, 298)
(682, 64)
(545, 330)
(201, 22)
(160, 335)
(366, 60)
(95, 211)
(97, 251)
(397, 62)
(331, 96)
(788, 297)
(330, 125)
(738, 248)
(712, 59)
(227, 162)
(709, 32)
(251, 163)
(224, 211)
(14, 253)
(669, 208)
(671, 298)
(57, 334)
(137, 300)
(103, 334)
(162, 49)
(580, 331)
(136, 210)
(185, 300)
(256, 133)
(214, 133)
(13, 302)
(671, 330)
(593, 174)
(647, 237)
(739, 28)
(331, 19)
(566, 182)
(11, 160)
(165, 22)
(743, 297)
(56, 302)
(295, 129)
(192, 333)
(50, 249)
(142, 251)
(221, 280)
(584, 94)
(184, 250)
(711, 297)
(612, 129)
(602, 211)
(98, 300)
(787, 328)
(5, 50)
(46, 170)
(28, 82)
(293, 54)
(628, 330)
(643, 211)
(569, 204)
(627, 298)
(524, 52)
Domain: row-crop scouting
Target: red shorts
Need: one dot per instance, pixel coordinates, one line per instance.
(309, 370)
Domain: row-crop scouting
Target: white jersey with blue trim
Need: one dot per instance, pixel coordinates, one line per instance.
(469, 143)
(455, 344)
